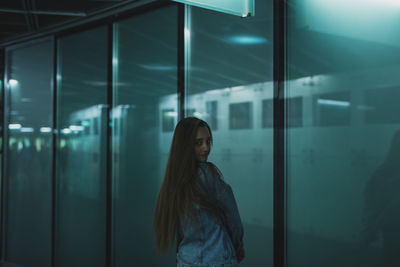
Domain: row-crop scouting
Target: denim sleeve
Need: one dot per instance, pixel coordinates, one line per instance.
(233, 222)
(223, 195)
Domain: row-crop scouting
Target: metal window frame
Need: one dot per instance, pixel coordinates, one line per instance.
(109, 151)
(2, 202)
(54, 153)
(279, 114)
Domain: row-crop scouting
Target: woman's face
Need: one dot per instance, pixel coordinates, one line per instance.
(203, 144)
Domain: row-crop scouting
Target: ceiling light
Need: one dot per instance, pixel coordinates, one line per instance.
(14, 126)
(26, 130)
(45, 129)
(247, 40)
(13, 82)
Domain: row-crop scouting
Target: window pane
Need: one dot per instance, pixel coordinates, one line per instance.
(144, 117)
(29, 157)
(231, 66)
(343, 183)
(240, 115)
(81, 158)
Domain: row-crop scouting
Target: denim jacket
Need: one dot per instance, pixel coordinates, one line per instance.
(211, 241)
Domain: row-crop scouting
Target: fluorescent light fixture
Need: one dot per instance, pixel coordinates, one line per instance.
(26, 130)
(198, 114)
(66, 131)
(330, 102)
(45, 129)
(215, 91)
(14, 126)
(13, 82)
(171, 114)
(76, 128)
(247, 40)
(392, 2)
(238, 88)
(85, 123)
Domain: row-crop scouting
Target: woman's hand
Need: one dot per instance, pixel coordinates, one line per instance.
(240, 255)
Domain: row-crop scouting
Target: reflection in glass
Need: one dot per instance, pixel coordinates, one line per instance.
(379, 108)
(231, 66)
(81, 149)
(144, 116)
(212, 114)
(330, 109)
(240, 115)
(382, 205)
(168, 120)
(339, 179)
(28, 163)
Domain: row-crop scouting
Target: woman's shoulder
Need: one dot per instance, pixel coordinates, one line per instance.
(209, 168)
(210, 174)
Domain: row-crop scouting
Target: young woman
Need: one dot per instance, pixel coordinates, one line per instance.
(195, 207)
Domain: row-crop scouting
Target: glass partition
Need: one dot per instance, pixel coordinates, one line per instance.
(230, 85)
(29, 155)
(2, 209)
(81, 149)
(343, 181)
(144, 115)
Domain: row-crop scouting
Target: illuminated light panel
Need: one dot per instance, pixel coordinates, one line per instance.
(357, 3)
(171, 114)
(76, 128)
(27, 130)
(14, 126)
(197, 114)
(247, 40)
(45, 129)
(66, 131)
(13, 82)
(215, 91)
(330, 102)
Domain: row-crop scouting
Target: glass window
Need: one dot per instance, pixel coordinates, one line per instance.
(330, 109)
(230, 64)
(381, 106)
(342, 179)
(212, 114)
(190, 112)
(267, 113)
(81, 158)
(29, 155)
(240, 115)
(295, 112)
(145, 107)
(168, 120)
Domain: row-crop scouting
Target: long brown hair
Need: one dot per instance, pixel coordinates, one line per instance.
(180, 188)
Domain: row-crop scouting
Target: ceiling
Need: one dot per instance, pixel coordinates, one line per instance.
(18, 17)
